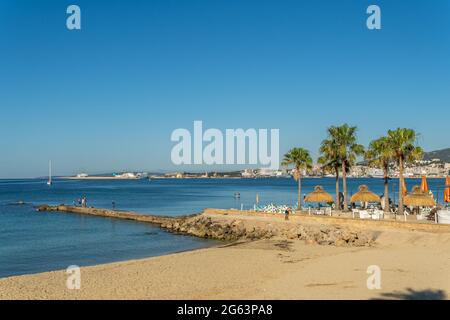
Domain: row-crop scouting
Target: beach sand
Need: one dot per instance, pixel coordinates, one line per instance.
(413, 265)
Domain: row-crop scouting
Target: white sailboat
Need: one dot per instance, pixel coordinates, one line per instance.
(49, 182)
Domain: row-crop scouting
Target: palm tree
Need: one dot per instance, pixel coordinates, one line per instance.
(301, 159)
(330, 162)
(380, 154)
(344, 137)
(403, 144)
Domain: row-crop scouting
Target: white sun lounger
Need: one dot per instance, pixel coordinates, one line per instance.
(363, 214)
(377, 214)
(443, 216)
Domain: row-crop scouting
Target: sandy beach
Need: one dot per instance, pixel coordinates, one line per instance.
(414, 265)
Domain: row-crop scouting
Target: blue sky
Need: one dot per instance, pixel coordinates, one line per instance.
(107, 97)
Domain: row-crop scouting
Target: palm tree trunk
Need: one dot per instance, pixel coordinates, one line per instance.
(299, 202)
(344, 185)
(337, 189)
(400, 186)
(386, 190)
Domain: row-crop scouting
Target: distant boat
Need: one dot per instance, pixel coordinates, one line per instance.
(49, 182)
(376, 173)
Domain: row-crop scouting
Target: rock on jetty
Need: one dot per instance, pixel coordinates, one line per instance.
(232, 228)
(206, 226)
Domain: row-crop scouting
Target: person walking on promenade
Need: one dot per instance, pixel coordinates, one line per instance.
(286, 213)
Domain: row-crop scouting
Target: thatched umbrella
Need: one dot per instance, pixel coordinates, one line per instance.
(364, 195)
(418, 198)
(319, 195)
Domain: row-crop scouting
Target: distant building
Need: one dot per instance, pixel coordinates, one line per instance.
(247, 173)
(174, 175)
(375, 172)
(265, 172)
(358, 171)
(126, 175)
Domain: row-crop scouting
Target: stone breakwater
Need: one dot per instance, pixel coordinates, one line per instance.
(116, 214)
(233, 227)
(213, 227)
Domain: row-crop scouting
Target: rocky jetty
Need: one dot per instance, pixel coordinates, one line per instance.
(116, 214)
(232, 228)
(205, 226)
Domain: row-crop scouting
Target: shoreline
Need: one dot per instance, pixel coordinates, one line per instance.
(217, 245)
(175, 223)
(262, 269)
(302, 258)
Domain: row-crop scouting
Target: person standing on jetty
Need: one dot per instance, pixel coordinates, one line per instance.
(83, 202)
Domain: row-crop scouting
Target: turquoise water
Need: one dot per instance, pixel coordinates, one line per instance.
(33, 242)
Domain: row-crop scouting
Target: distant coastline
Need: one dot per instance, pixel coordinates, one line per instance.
(98, 178)
(200, 176)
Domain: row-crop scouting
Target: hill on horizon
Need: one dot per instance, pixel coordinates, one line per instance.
(443, 155)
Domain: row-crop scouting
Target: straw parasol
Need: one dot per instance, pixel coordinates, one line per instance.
(447, 189)
(424, 185)
(319, 195)
(418, 198)
(364, 195)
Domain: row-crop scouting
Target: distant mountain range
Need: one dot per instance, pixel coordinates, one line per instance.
(443, 155)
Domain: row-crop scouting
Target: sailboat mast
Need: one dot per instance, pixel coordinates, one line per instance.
(50, 171)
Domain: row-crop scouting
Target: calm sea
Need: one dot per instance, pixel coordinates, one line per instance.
(33, 242)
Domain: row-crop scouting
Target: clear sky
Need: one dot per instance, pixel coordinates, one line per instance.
(108, 96)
